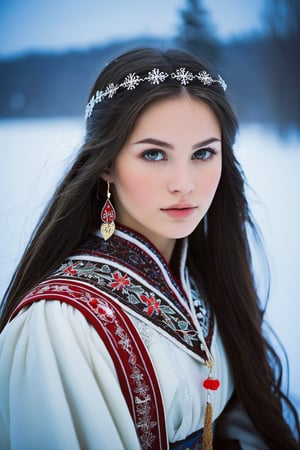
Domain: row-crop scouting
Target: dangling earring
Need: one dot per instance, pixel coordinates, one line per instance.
(108, 216)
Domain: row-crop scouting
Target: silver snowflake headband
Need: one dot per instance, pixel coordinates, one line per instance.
(132, 80)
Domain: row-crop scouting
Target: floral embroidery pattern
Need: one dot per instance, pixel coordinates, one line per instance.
(141, 391)
(142, 398)
(69, 270)
(131, 256)
(139, 299)
(120, 282)
(152, 304)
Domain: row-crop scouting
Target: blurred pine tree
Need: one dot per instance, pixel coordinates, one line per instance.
(195, 33)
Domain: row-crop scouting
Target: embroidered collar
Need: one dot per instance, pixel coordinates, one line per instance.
(131, 270)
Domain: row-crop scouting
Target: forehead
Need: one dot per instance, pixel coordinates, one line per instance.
(177, 116)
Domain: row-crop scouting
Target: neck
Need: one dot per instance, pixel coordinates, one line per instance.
(166, 249)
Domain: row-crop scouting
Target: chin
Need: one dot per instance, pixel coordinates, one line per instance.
(180, 234)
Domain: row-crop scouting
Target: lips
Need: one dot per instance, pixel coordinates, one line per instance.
(179, 211)
(180, 206)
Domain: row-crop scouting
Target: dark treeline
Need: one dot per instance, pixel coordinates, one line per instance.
(262, 72)
(54, 84)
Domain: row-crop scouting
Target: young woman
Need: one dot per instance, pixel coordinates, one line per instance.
(132, 320)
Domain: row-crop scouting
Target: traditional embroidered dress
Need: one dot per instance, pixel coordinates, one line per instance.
(59, 383)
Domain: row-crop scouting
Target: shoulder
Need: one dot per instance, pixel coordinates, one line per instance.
(51, 328)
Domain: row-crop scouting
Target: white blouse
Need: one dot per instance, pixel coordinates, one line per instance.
(59, 388)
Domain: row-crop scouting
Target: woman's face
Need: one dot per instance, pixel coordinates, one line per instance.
(165, 177)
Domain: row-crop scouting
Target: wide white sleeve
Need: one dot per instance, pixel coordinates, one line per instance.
(58, 386)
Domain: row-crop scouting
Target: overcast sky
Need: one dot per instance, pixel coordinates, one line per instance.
(27, 25)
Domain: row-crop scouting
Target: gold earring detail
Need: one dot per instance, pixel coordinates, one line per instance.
(108, 216)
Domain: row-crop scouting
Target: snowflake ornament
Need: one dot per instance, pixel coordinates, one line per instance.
(154, 77)
(183, 76)
(111, 90)
(131, 81)
(205, 78)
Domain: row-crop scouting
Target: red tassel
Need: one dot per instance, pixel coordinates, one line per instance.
(207, 443)
(211, 384)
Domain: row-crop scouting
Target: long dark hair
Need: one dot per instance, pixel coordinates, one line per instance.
(219, 250)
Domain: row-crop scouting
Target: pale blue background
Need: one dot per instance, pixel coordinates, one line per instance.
(57, 24)
(34, 153)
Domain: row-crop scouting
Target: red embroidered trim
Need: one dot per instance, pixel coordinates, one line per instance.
(134, 294)
(134, 367)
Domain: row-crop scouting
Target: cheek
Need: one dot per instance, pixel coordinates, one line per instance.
(133, 186)
(210, 181)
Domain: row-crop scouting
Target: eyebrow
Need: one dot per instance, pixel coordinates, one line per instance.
(160, 143)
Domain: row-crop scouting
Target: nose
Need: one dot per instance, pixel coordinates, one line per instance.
(181, 180)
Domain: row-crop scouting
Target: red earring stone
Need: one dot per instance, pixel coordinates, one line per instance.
(108, 216)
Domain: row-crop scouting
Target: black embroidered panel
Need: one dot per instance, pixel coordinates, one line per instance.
(164, 310)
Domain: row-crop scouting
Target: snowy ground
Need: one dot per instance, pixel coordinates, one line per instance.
(34, 154)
